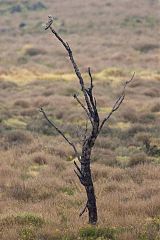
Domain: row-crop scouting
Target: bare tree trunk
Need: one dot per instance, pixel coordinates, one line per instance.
(91, 199)
(84, 171)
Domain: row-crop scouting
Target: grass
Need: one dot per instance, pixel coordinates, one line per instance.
(97, 233)
(15, 123)
(37, 166)
(140, 24)
(40, 196)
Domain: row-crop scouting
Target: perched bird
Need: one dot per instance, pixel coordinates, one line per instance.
(50, 21)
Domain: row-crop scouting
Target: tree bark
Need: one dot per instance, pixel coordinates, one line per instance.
(91, 199)
(84, 171)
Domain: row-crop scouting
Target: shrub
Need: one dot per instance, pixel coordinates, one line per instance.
(103, 142)
(27, 234)
(23, 219)
(94, 233)
(16, 137)
(41, 126)
(145, 48)
(40, 102)
(130, 115)
(134, 130)
(151, 230)
(39, 158)
(104, 156)
(7, 84)
(156, 108)
(152, 92)
(13, 123)
(29, 219)
(21, 192)
(33, 51)
(142, 137)
(139, 158)
(29, 112)
(22, 103)
(16, 8)
(147, 118)
(67, 190)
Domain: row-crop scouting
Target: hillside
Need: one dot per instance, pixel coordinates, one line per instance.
(40, 196)
(103, 33)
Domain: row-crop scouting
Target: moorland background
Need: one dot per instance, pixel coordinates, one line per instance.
(40, 197)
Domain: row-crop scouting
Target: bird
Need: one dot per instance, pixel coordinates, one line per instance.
(50, 21)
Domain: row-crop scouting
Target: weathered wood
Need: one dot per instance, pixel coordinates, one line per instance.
(84, 171)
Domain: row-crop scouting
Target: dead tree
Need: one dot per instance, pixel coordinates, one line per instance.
(83, 171)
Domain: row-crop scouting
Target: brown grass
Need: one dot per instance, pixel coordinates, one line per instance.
(40, 197)
(138, 22)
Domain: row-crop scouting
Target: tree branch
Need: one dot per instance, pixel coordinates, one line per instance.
(50, 21)
(75, 66)
(90, 94)
(85, 109)
(78, 168)
(80, 179)
(91, 78)
(60, 132)
(117, 103)
(84, 209)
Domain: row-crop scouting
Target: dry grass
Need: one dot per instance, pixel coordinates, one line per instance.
(40, 197)
(129, 38)
(37, 166)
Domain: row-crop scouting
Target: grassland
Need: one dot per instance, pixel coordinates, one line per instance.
(40, 197)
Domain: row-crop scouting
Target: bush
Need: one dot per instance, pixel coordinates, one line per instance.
(142, 137)
(139, 158)
(145, 48)
(152, 92)
(94, 233)
(147, 118)
(67, 190)
(41, 126)
(27, 234)
(7, 84)
(21, 192)
(134, 130)
(16, 137)
(22, 219)
(22, 103)
(36, 6)
(130, 115)
(104, 156)
(39, 158)
(34, 51)
(156, 108)
(29, 219)
(151, 230)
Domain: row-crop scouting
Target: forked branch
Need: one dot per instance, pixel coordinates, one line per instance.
(76, 69)
(84, 209)
(85, 109)
(90, 107)
(117, 103)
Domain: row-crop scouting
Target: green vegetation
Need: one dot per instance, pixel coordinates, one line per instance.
(139, 21)
(93, 233)
(22, 219)
(12, 8)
